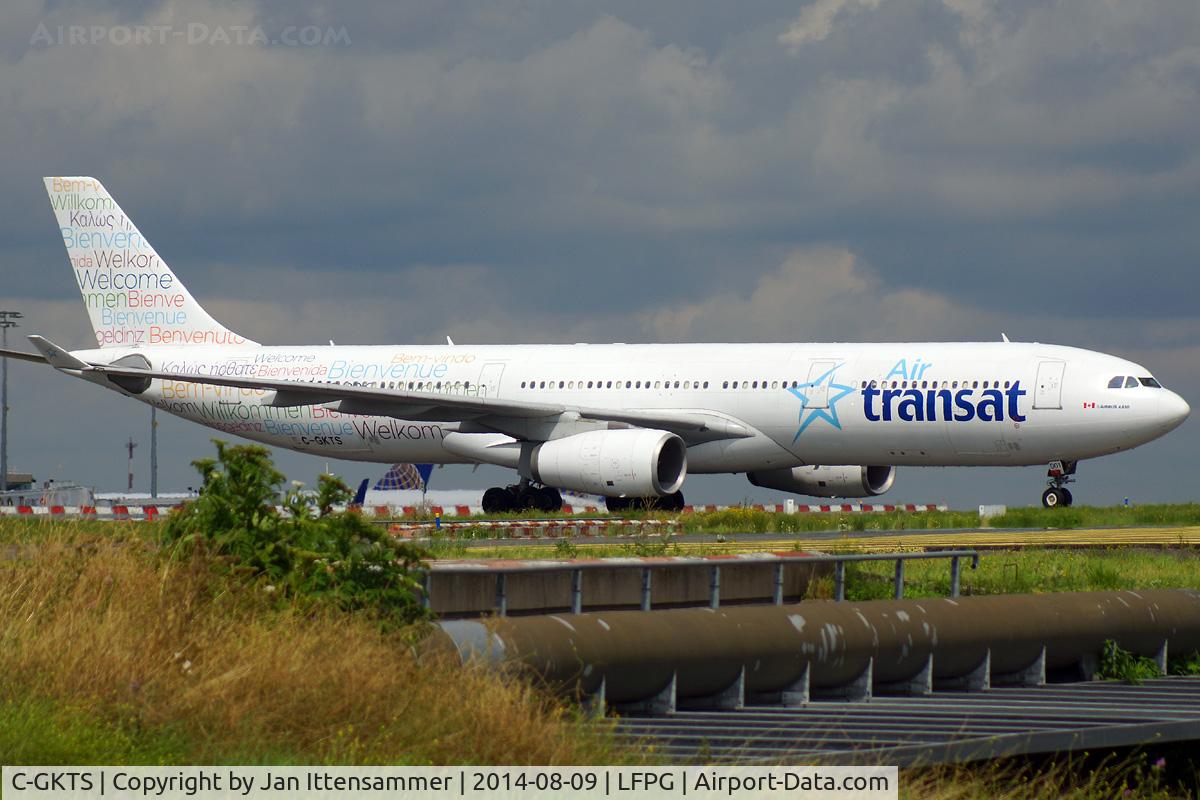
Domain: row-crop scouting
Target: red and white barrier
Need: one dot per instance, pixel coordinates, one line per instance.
(142, 512)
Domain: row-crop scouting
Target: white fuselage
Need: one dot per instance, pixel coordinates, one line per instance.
(890, 404)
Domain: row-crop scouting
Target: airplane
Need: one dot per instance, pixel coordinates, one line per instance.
(627, 421)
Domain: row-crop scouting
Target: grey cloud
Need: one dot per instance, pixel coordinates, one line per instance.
(554, 171)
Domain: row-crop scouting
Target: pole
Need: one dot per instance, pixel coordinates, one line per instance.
(131, 444)
(8, 319)
(153, 453)
(4, 418)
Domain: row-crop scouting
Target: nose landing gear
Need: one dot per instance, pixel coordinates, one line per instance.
(1059, 474)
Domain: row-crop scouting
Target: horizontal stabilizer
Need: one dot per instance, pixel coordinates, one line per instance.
(22, 356)
(56, 356)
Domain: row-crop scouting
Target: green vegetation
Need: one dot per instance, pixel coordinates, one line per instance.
(1020, 571)
(742, 520)
(1032, 571)
(1118, 664)
(250, 638)
(749, 520)
(234, 634)
(1184, 665)
(1100, 516)
(1140, 776)
(337, 558)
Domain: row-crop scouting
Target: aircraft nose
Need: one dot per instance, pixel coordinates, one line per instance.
(1173, 410)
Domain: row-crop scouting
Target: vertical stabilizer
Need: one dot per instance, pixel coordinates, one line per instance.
(131, 295)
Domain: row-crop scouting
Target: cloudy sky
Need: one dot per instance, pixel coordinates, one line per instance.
(564, 171)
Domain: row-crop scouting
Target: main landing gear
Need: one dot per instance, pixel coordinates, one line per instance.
(1058, 495)
(672, 502)
(523, 496)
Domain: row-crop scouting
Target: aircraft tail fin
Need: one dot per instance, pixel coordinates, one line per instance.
(131, 295)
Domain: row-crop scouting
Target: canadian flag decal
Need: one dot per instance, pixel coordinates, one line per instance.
(1089, 405)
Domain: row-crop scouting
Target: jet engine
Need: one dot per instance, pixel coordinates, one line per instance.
(825, 481)
(633, 462)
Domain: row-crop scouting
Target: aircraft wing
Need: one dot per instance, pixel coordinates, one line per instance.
(489, 412)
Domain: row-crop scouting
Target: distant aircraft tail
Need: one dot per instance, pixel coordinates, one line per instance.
(132, 296)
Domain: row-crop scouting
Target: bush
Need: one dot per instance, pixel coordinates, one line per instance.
(335, 558)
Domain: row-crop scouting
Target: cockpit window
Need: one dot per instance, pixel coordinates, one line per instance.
(1117, 382)
(1130, 382)
(1153, 384)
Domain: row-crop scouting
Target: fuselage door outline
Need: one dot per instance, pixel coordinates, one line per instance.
(1048, 385)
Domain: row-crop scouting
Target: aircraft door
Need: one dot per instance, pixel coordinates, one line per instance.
(1048, 386)
(489, 380)
(817, 391)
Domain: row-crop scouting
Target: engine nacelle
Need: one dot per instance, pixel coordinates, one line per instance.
(634, 462)
(824, 481)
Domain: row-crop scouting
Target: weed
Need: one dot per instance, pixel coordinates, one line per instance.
(1185, 665)
(1121, 665)
(565, 548)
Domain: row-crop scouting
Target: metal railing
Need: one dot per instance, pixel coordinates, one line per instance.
(780, 562)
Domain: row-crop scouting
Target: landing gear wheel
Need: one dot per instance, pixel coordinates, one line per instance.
(672, 502)
(1053, 498)
(617, 504)
(497, 501)
(1067, 498)
(527, 498)
(548, 499)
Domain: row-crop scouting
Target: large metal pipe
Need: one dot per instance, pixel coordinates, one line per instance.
(638, 654)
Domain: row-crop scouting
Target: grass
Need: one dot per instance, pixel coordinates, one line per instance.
(741, 520)
(108, 654)
(1182, 514)
(1018, 571)
(1032, 571)
(1136, 776)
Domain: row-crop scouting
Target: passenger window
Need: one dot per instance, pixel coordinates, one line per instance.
(725, 385)
(657, 384)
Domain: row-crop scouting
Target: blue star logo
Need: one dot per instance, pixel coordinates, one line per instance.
(836, 392)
